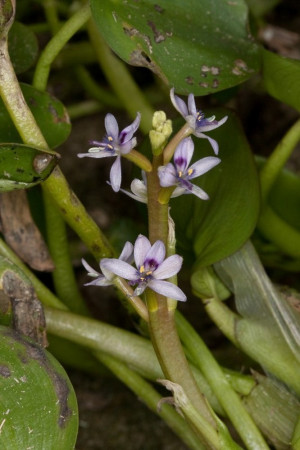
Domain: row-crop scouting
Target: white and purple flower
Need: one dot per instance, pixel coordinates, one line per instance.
(152, 269)
(106, 280)
(196, 118)
(114, 144)
(180, 173)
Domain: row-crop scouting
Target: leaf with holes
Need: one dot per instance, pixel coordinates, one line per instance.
(22, 166)
(200, 47)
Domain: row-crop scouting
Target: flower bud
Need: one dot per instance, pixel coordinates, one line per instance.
(162, 129)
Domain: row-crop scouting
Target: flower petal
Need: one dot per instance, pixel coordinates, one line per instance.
(183, 154)
(156, 253)
(141, 247)
(116, 266)
(167, 289)
(167, 175)
(178, 191)
(91, 272)
(100, 281)
(127, 253)
(129, 131)
(139, 188)
(192, 105)
(97, 153)
(196, 190)
(212, 141)
(203, 165)
(111, 126)
(116, 174)
(169, 267)
(208, 126)
(178, 103)
(127, 146)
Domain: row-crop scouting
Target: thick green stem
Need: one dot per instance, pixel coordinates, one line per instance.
(228, 398)
(63, 274)
(277, 159)
(151, 398)
(161, 320)
(120, 79)
(283, 235)
(56, 44)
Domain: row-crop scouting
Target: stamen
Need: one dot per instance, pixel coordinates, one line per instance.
(142, 269)
(180, 173)
(190, 171)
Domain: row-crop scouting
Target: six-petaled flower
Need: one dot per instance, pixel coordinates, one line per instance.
(114, 144)
(152, 269)
(196, 118)
(180, 173)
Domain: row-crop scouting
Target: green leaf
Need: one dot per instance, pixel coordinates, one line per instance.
(219, 226)
(38, 407)
(200, 47)
(281, 77)
(22, 47)
(50, 114)
(22, 166)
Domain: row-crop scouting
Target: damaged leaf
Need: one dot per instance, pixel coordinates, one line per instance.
(22, 166)
(38, 407)
(200, 47)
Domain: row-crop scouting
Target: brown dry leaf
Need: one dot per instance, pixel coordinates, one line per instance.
(28, 314)
(21, 233)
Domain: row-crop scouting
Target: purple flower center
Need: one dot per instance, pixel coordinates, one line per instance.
(108, 143)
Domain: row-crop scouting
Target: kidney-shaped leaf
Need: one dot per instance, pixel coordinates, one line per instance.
(22, 46)
(204, 46)
(38, 407)
(217, 227)
(22, 166)
(50, 114)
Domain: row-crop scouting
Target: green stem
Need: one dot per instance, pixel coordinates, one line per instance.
(120, 79)
(97, 92)
(83, 109)
(63, 275)
(277, 160)
(51, 15)
(283, 235)
(151, 398)
(161, 320)
(56, 44)
(228, 398)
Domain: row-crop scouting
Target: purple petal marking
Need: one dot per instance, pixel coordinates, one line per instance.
(118, 267)
(127, 146)
(111, 126)
(141, 248)
(167, 289)
(203, 165)
(208, 126)
(192, 105)
(168, 268)
(167, 175)
(156, 254)
(179, 104)
(116, 174)
(184, 153)
(129, 131)
(127, 253)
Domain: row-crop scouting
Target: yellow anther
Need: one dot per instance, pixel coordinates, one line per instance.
(190, 171)
(142, 269)
(180, 173)
(110, 138)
